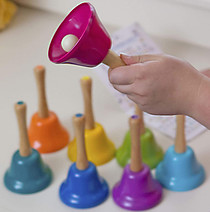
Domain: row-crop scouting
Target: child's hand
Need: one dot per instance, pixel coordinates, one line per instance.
(159, 84)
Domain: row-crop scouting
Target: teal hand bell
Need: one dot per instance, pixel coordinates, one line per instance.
(27, 173)
(180, 170)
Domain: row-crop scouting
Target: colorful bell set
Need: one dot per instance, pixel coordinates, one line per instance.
(82, 40)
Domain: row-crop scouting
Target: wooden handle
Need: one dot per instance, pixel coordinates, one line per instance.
(140, 114)
(136, 160)
(39, 72)
(79, 129)
(20, 110)
(86, 85)
(180, 141)
(113, 60)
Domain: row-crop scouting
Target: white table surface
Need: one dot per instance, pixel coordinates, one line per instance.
(24, 45)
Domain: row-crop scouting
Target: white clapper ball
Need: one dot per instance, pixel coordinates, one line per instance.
(68, 42)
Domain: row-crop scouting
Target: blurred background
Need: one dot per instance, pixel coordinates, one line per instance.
(185, 20)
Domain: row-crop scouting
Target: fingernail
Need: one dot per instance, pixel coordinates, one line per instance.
(124, 55)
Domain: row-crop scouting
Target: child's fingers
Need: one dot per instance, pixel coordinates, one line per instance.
(129, 60)
(122, 75)
(125, 75)
(126, 89)
(137, 98)
(132, 97)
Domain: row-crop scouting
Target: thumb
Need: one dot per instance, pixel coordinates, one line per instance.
(129, 60)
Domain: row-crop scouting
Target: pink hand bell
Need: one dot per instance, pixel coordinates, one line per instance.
(81, 39)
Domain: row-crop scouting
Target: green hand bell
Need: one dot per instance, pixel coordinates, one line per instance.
(152, 153)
